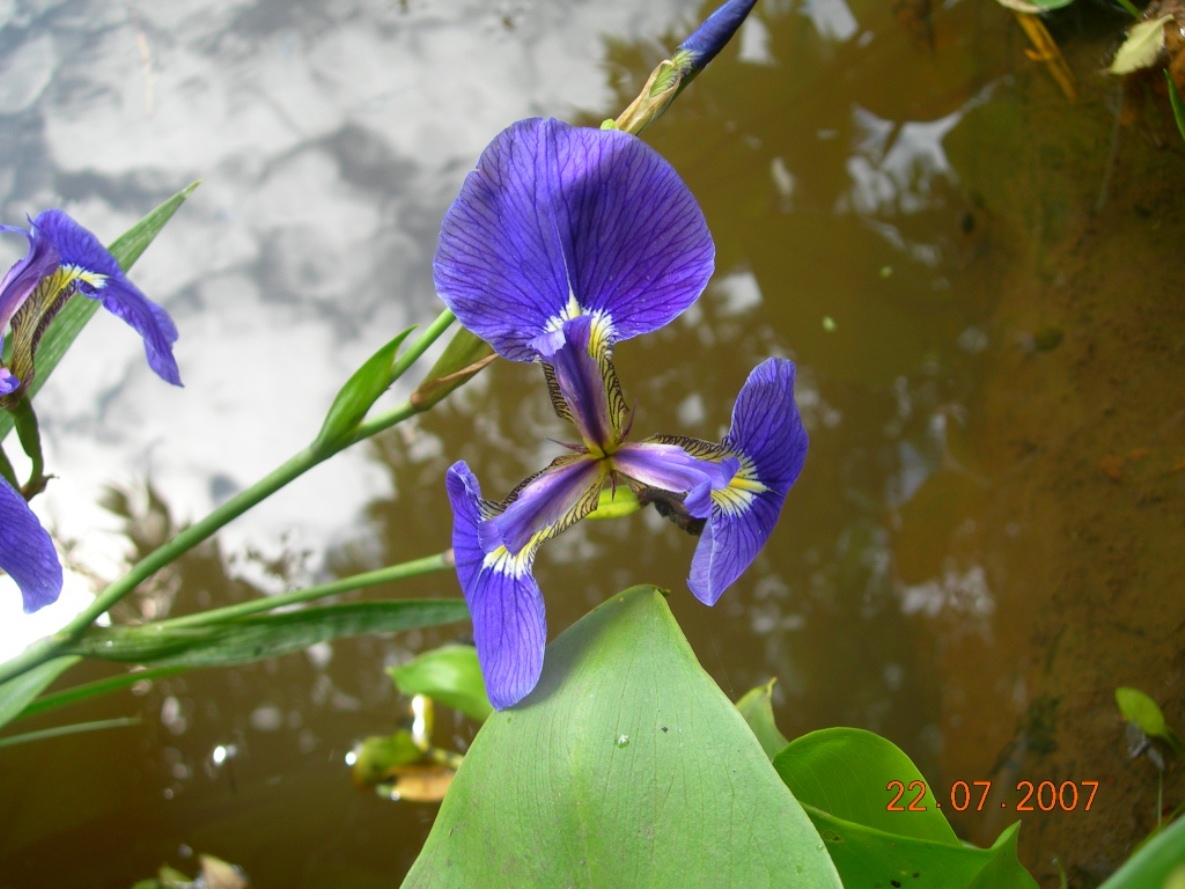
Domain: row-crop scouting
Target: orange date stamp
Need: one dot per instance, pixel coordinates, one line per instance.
(1042, 796)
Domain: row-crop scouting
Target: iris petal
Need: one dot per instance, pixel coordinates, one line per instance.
(767, 444)
(100, 277)
(547, 503)
(558, 221)
(26, 551)
(509, 624)
(22, 278)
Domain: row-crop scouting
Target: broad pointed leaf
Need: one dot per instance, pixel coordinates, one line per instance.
(626, 766)
(842, 777)
(865, 856)
(846, 771)
(254, 638)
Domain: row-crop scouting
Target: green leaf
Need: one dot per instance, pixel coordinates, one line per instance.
(61, 731)
(615, 503)
(249, 639)
(842, 777)
(1178, 103)
(1139, 709)
(627, 766)
(847, 772)
(1161, 863)
(865, 856)
(18, 692)
(377, 755)
(87, 690)
(358, 395)
(73, 317)
(450, 676)
(463, 358)
(757, 709)
(1144, 42)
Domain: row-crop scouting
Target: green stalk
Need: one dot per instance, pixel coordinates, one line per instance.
(296, 466)
(415, 568)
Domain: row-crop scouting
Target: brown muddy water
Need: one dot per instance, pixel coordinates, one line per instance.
(981, 283)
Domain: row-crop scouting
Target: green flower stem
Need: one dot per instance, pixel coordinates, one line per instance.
(415, 568)
(7, 472)
(296, 466)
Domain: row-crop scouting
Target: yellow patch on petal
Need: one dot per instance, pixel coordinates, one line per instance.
(741, 489)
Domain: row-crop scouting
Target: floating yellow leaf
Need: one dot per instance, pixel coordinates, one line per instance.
(1144, 42)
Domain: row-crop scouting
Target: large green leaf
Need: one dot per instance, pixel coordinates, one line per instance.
(253, 638)
(18, 692)
(865, 856)
(450, 675)
(843, 775)
(627, 766)
(847, 772)
(73, 317)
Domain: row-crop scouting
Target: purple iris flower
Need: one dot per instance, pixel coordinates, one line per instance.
(63, 259)
(562, 242)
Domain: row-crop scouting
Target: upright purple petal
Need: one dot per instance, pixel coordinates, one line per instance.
(22, 278)
(509, 625)
(582, 369)
(81, 250)
(767, 444)
(558, 221)
(26, 551)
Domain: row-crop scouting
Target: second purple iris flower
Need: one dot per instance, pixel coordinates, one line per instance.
(562, 242)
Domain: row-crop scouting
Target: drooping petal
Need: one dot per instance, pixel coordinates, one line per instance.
(766, 425)
(766, 448)
(558, 221)
(509, 624)
(26, 551)
(86, 262)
